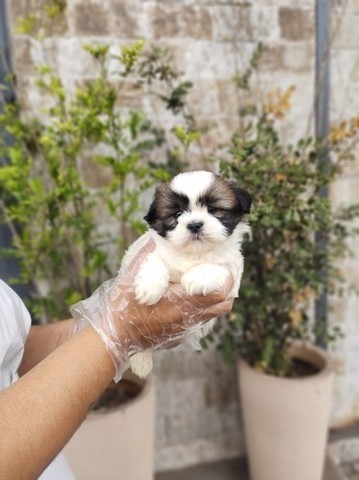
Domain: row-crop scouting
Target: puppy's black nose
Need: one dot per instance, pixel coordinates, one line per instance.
(195, 227)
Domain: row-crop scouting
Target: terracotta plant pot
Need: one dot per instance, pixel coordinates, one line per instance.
(286, 420)
(117, 443)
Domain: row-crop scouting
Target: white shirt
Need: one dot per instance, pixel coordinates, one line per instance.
(15, 324)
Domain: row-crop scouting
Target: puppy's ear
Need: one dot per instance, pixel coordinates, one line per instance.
(157, 205)
(151, 214)
(243, 198)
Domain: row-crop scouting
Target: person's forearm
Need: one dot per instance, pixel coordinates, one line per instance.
(41, 411)
(42, 340)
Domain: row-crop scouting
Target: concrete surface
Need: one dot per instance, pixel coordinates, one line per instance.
(235, 469)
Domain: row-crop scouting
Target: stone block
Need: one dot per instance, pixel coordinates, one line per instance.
(207, 60)
(228, 97)
(126, 19)
(24, 86)
(73, 61)
(15, 9)
(222, 128)
(173, 21)
(129, 95)
(296, 24)
(340, 365)
(290, 56)
(344, 77)
(197, 23)
(196, 399)
(353, 362)
(33, 101)
(244, 22)
(179, 428)
(337, 310)
(201, 450)
(352, 274)
(95, 175)
(344, 191)
(163, 22)
(182, 364)
(298, 119)
(348, 33)
(352, 316)
(354, 73)
(259, 3)
(91, 18)
(231, 22)
(354, 189)
(204, 99)
(219, 395)
(344, 450)
(344, 105)
(286, 3)
(59, 26)
(22, 55)
(241, 3)
(21, 8)
(264, 24)
(299, 58)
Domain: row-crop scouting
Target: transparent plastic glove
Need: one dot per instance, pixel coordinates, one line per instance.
(127, 327)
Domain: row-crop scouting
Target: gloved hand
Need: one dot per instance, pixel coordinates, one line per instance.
(127, 327)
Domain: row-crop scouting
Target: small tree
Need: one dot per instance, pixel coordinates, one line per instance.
(62, 248)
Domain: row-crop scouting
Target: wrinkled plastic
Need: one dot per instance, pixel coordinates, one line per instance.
(127, 327)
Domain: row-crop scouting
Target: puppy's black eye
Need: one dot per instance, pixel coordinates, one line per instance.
(177, 214)
(212, 209)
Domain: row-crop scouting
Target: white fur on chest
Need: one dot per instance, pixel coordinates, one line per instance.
(227, 254)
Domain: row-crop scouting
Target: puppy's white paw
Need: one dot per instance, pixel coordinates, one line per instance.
(149, 292)
(141, 364)
(204, 279)
(151, 281)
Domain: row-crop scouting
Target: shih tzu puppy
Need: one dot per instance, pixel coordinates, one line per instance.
(196, 223)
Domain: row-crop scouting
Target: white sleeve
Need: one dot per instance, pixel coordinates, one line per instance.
(15, 324)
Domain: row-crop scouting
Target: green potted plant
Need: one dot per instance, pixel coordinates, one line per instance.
(285, 381)
(71, 192)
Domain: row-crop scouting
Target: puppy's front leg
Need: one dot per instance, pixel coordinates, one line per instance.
(152, 280)
(150, 285)
(204, 279)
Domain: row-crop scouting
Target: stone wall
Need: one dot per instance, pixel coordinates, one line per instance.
(197, 411)
(345, 103)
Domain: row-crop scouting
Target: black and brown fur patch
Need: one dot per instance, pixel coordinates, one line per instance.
(162, 213)
(226, 201)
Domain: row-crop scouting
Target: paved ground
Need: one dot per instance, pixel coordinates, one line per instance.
(224, 470)
(344, 451)
(350, 471)
(231, 470)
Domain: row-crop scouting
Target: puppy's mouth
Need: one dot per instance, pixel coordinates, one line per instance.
(197, 237)
(200, 240)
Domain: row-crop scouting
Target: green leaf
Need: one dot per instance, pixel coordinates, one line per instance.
(130, 54)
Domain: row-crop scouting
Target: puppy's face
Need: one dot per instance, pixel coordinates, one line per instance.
(197, 210)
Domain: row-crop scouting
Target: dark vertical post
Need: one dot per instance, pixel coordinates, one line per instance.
(8, 265)
(322, 96)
